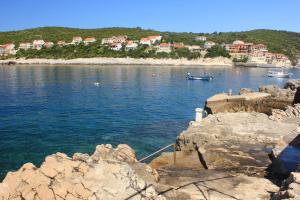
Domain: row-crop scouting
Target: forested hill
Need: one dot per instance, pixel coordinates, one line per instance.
(277, 41)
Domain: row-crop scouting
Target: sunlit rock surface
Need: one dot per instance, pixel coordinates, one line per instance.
(107, 174)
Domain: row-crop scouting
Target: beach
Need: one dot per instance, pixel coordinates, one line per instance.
(124, 61)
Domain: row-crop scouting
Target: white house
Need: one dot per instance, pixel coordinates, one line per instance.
(61, 43)
(209, 44)
(200, 38)
(194, 48)
(145, 41)
(25, 46)
(116, 46)
(38, 44)
(164, 47)
(76, 40)
(89, 40)
(131, 46)
(49, 45)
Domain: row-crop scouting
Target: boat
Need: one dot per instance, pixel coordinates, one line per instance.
(279, 74)
(205, 77)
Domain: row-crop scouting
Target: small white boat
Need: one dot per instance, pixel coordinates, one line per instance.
(279, 74)
(97, 84)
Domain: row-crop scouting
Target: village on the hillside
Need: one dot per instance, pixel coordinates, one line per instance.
(238, 50)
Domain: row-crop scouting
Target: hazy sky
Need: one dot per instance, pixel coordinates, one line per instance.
(164, 15)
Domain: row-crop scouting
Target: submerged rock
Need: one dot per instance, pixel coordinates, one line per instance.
(108, 174)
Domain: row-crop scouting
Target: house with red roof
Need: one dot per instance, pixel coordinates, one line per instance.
(7, 49)
(164, 47)
(89, 40)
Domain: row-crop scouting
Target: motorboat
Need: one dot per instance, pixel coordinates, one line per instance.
(205, 77)
(279, 74)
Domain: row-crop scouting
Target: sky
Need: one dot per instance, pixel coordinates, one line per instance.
(163, 15)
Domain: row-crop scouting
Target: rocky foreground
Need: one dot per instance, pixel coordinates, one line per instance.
(107, 174)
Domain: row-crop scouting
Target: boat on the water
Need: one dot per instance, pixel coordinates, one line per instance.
(279, 74)
(205, 77)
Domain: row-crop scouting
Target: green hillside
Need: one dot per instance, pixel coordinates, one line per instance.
(277, 41)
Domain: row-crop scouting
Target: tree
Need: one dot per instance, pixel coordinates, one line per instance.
(216, 51)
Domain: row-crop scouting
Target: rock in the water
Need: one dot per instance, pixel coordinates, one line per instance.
(292, 84)
(108, 174)
(245, 91)
(271, 89)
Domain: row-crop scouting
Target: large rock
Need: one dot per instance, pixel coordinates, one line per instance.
(292, 84)
(269, 97)
(107, 174)
(235, 141)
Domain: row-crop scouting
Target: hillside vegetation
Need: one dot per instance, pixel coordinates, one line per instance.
(276, 41)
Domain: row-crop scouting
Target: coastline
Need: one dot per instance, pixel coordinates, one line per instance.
(124, 61)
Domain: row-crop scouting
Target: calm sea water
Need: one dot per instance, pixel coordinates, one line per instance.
(46, 109)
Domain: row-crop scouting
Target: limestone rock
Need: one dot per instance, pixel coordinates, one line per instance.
(108, 174)
(292, 84)
(245, 91)
(235, 141)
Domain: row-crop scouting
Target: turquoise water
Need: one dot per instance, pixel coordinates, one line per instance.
(46, 109)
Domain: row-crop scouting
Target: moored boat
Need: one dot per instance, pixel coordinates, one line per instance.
(279, 74)
(205, 77)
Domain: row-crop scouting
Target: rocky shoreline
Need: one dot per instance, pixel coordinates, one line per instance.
(220, 61)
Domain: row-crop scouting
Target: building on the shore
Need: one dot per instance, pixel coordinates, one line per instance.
(76, 40)
(194, 48)
(258, 48)
(200, 38)
(209, 44)
(164, 47)
(89, 40)
(38, 44)
(257, 57)
(131, 45)
(61, 43)
(48, 45)
(7, 49)
(25, 45)
(116, 46)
